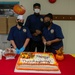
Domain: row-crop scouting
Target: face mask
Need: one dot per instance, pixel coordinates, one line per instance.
(20, 24)
(47, 24)
(36, 10)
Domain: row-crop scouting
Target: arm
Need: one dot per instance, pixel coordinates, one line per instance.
(58, 34)
(56, 40)
(53, 41)
(37, 32)
(28, 23)
(28, 36)
(44, 40)
(24, 46)
(13, 44)
(26, 42)
(11, 38)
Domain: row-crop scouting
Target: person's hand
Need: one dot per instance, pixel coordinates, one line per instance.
(38, 32)
(17, 51)
(48, 43)
(44, 41)
(21, 49)
(35, 34)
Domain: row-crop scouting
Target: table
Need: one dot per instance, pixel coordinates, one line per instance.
(67, 66)
(73, 55)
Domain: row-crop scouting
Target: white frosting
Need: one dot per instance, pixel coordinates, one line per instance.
(39, 59)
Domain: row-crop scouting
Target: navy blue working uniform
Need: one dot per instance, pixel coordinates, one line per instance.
(19, 36)
(35, 22)
(51, 34)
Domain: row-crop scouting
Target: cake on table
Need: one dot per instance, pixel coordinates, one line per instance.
(32, 61)
(9, 53)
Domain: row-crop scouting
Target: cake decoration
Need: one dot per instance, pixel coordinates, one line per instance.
(37, 62)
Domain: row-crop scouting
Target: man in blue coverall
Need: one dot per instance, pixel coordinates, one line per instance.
(52, 34)
(19, 36)
(35, 24)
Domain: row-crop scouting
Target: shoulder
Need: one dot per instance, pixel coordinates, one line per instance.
(41, 16)
(13, 28)
(26, 28)
(30, 15)
(55, 25)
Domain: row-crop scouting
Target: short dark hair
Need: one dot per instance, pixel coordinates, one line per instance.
(37, 4)
(49, 15)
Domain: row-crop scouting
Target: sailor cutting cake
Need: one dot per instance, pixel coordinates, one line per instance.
(52, 34)
(19, 36)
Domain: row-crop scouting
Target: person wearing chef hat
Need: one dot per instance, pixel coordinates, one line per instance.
(19, 36)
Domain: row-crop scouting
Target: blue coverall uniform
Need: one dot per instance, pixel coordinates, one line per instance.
(19, 36)
(35, 22)
(51, 34)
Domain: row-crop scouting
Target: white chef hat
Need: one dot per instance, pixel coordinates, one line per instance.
(21, 17)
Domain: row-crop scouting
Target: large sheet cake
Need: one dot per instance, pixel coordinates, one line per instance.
(32, 61)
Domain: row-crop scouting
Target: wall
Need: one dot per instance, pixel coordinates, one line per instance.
(61, 7)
